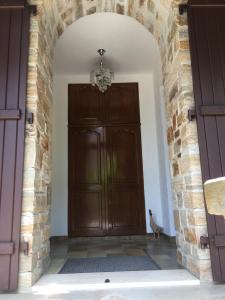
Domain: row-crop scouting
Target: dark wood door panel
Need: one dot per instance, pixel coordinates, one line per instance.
(124, 151)
(85, 104)
(86, 181)
(85, 151)
(14, 33)
(121, 102)
(87, 213)
(125, 211)
(206, 27)
(126, 207)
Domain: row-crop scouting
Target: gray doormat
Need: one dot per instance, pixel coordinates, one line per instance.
(108, 264)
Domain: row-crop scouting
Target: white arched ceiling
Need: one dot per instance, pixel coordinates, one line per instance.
(129, 45)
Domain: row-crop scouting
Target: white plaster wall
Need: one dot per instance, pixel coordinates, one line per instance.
(157, 195)
(166, 188)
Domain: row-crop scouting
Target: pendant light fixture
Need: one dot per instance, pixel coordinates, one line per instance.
(101, 77)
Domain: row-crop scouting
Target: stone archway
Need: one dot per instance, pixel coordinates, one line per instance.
(162, 19)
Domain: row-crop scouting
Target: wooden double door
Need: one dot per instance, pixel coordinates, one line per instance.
(106, 194)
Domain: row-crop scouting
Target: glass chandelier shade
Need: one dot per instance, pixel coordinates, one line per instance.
(101, 76)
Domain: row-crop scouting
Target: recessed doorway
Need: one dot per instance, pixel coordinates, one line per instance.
(110, 155)
(132, 61)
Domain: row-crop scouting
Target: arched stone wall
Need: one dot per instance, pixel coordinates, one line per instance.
(162, 19)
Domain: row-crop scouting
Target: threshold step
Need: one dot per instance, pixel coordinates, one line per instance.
(60, 283)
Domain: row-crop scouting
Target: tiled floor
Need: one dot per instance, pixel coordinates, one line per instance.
(162, 251)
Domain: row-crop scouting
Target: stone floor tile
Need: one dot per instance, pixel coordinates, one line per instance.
(96, 254)
(80, 254)
(117, 254)
(135, 252)
(115, 250)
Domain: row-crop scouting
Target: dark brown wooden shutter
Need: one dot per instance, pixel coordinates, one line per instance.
(14, 34)
(207, 42)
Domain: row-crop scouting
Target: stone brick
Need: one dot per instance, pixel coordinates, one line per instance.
(180, 199)
(177, 134)
(25, 263)
(181, 119)
(151, 6)
(25, 280)
(175, 169)
(190, 235)
(194, 266)
(197, 218)
(119, 9)
(190, 163)
(194, 179)
(179, 257)
(183, 218)
(170, 136)
(177, 146)
(194, 199)
(184, 45)
(174, 122)
(177, 220)
(205, 270)
(91, 10)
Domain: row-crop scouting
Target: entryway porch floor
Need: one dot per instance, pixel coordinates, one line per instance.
(161, 251)
(170, 283)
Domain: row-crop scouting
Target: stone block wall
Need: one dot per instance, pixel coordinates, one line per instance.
(161, 18)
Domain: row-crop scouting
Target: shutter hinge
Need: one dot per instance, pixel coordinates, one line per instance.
(30, 118)
(24, 246)
(191, 114)
(183, 9)
(204, 242)
(33, 9)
